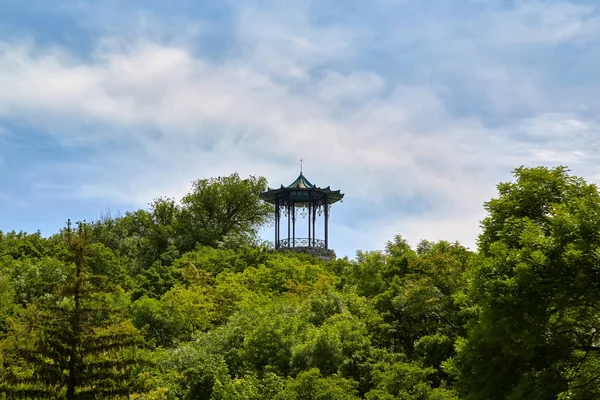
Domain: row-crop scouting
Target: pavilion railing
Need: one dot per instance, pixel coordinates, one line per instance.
(301, 242)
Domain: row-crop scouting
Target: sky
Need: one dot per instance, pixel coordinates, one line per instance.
(415, 109)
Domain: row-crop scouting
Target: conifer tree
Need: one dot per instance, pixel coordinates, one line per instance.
(74, 343)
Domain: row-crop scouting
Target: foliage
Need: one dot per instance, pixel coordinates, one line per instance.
(72, 342)
(217, 208)
(182, 301)
(536, 285)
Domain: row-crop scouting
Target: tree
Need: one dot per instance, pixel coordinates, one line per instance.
(221, 212)
(75, 341)
(7, 305)
(311, 384)
(420, 299)
(536, 285)
(248, 388)
(141, 236)
(22, 245)
(403, 380)
(219, 207)
(179, 314)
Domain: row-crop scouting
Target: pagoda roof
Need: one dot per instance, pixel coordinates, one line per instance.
(301, 184)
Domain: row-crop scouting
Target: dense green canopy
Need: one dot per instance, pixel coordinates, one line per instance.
(181, 301)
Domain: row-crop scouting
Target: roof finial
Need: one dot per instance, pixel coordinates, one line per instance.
(300, 166)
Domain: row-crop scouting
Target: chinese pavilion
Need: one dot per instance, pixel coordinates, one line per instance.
(311, 201)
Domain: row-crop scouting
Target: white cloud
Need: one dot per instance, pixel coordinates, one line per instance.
(160, 115)
(544, 23)
(349, 88)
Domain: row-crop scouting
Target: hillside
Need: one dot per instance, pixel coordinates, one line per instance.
(183, 301)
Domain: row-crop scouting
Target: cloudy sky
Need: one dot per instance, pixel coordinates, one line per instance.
(414, 109)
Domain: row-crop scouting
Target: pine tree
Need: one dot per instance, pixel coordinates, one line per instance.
(74, 343)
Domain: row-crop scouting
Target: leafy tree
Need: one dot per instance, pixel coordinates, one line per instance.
(311, 385)
(192, 368)
(177, 316)
(223, 212)
(219, 207)
(341, 346)
(248, 388)
(420, 299)
(74, 342)
(409, 381)
(20, 245)
(155, 281)
(103, 261)
(7, 305)
(214, 261)
(32, 278)
(536, 284)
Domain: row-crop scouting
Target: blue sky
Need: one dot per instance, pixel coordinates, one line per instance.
(414, 109)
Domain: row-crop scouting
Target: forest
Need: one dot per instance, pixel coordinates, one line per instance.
(183, 300)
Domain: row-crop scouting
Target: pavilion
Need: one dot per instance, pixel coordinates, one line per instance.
(310, 200)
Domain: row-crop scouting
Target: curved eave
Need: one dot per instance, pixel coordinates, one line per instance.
(333, 196)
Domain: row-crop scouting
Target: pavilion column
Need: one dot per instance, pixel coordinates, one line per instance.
(314, 219)
(294, 224)
(289, 216)
(309, 222)
(326, 224)
(276, 224)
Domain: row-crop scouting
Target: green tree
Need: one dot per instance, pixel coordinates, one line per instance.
(142, 237)
(74, 342)
(155, 281)
(407, 381)
(7, 305)
(247, 388)
(536, 284)
(220, 207)
(223, 212)
(179, 314)
(19, 245)
(421, 300)
(311, 385)
(32, 278)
